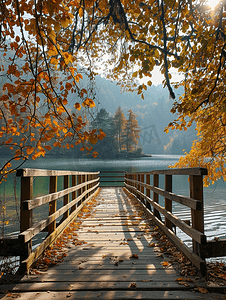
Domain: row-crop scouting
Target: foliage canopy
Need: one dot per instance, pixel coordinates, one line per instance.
(48, 45)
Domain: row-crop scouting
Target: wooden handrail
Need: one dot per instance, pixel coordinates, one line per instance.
(139, 184)
(84, 187)
(42, 172)
(182, 171)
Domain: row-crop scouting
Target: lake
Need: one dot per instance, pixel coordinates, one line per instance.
(214, 196)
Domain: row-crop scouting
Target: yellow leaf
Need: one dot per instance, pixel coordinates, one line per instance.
(80, 11)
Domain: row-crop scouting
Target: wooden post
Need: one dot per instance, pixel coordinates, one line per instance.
(79, 190)
(197, 216)
(52, 204)
(134, 184)
(131, 183)
(155, 195)
(74, 194)
(148, 192)
(168, 203)
(142, 188)
(138, 185)
(84, 188)
(88, 185)
(125, 177)
(26, 215)
(66, 197)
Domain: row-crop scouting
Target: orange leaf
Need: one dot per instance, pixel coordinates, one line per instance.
(48, 147)
(202, 290)
(64, 101)
(78, 106)
(179, 279)
(29, 150)
(68, 85)
(134, 256)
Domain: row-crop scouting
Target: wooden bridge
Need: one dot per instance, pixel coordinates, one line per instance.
(104, 243)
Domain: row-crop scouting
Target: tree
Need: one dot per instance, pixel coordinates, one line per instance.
(119, 127)
(106, 146)
(131, 132)
(57, 41)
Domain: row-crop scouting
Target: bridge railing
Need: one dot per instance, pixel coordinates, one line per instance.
(139, 184)
(84, 185)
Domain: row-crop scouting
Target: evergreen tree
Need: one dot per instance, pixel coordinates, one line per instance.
(132, 132)
(106, 147)
(119, 121)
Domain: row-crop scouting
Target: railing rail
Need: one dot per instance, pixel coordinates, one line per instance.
(139, 185)
(84, 187)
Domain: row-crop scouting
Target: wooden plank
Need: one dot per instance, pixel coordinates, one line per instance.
(180, 294)
(26, 172)
(36, 202)
(105, 276)
(181, 171)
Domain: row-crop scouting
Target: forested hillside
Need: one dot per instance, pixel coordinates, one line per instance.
(153, 116)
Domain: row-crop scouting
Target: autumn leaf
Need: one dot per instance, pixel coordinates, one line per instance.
(134, 256)
(30, 150)
(77, 106)
(165, 264)
(202, 290)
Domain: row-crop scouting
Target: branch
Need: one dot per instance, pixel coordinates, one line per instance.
(206, 101)
(165, 55)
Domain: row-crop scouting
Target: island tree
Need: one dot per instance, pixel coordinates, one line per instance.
(54, 43)
(132, 132)
(119, 121)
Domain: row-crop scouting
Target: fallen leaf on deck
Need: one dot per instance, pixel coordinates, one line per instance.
(151, 245)
(202, 290)
(184, 283)
(133, 285)
(134, 256)
(159, 255)
(179, 279)
(165, 264)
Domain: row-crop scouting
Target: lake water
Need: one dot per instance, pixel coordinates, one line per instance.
(214, 196)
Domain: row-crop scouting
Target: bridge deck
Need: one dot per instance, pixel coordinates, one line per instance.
(108, 258)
